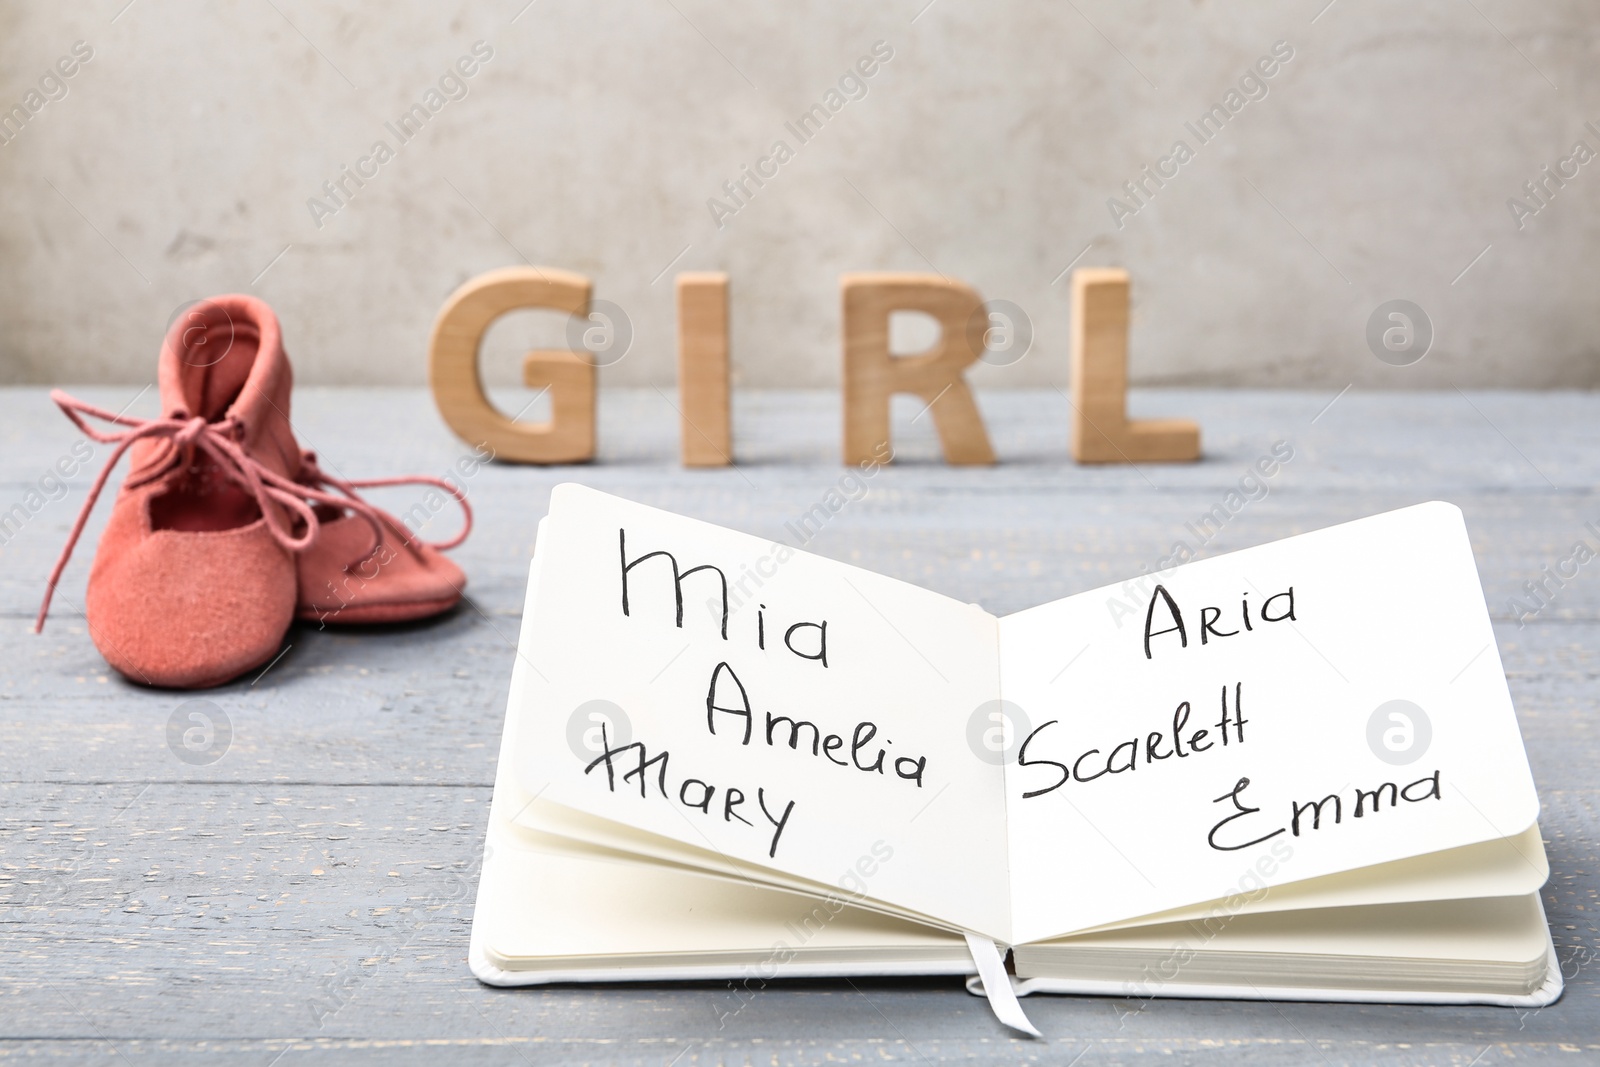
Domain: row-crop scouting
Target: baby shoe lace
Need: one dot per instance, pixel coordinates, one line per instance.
(187, 438)
(314, 477)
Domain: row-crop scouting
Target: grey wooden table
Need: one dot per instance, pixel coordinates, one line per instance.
(305, 897)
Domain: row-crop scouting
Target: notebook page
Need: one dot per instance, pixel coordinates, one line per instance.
(1320, 704)
(820, 734)
(1507, 867)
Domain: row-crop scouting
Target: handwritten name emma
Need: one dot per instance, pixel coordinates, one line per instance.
(1363, 802)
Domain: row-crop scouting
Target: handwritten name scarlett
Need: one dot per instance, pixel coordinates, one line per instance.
(1126, 755)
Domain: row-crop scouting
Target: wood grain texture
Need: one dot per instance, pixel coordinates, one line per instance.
(872, 375)
(453, 373)
(157, 911)
(569, 436)
(1101, 429)
(706, 434)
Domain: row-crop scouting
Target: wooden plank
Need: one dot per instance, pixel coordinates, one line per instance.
(518, 1050)
(1430, 442)
(370, 706)
(1028, 544)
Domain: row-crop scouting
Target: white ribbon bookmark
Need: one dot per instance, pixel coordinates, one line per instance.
(997, 984)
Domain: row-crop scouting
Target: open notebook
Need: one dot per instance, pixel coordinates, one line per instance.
(1290, 772)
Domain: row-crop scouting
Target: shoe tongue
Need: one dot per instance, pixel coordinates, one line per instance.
(210, 353)
(222, 356)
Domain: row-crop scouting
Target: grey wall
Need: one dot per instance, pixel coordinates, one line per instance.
(1377, 166)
